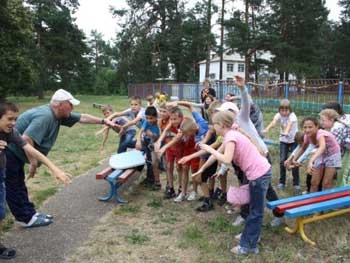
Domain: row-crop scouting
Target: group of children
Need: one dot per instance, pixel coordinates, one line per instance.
(222, 135)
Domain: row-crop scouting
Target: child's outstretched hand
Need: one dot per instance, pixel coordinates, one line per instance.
(184, 160)
(240, 82)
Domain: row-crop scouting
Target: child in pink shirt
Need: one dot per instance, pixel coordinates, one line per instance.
(327, 154)
(238, 148)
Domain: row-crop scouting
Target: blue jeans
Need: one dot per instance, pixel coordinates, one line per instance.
(16, 189)
(286, 148)
(252, 228)
(127, 140)
(2, 194)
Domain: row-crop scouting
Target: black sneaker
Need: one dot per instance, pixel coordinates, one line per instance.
(170, 193)
(222, 199)
(205, 207)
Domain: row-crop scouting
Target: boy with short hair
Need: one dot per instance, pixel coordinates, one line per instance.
(127, 140)
(8, 134)
(146, 137)
(173, 149)
(136, 113)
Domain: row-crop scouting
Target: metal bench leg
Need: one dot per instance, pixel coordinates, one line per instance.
(302, 233)
(118, 198)
(112, 192)
(292, 230)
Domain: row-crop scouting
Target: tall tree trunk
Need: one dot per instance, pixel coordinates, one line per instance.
(207, 64)
(247, 55)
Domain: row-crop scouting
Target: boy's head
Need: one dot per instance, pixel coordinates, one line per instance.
(8, 116)
(188, 127)
(151, 114)
(176, 116)
(285, 108)
(150, 99)
(164, 113)
(107, 110)
(299, 137)
(135, 103)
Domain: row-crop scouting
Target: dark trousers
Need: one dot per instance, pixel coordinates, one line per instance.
(16, 189)
(285, 148)
(147, 148)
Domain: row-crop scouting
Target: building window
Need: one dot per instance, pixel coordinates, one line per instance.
(229, 68)
(212, 76)
(240, 67)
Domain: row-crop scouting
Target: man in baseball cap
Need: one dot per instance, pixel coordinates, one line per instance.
(63, 95)
(39, 126)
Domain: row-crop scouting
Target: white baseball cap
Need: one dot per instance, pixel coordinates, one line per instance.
(228, 106)
(63, 95)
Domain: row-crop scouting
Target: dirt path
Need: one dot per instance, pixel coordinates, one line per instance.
(76, 212)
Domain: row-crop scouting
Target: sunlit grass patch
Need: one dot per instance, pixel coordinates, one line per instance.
(136, 238)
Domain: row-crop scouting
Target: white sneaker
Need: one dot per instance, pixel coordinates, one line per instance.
(239, 221)
(181, 197)
(277, 221)
(238, 237)
(193, 196)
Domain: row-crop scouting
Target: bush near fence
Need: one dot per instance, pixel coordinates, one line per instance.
(306, 96)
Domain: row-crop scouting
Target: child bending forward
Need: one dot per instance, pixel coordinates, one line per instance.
(237, 148)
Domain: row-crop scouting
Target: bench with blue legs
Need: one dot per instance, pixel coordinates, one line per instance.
(312, 207)
(121, 168)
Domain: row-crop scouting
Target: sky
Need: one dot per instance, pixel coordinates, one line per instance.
(95, 15)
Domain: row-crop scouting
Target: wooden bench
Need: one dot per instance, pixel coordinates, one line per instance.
(116, 178)
(312, 207)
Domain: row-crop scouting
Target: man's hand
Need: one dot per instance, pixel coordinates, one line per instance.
(239, 81)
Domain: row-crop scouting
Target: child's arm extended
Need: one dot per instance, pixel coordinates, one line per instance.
(288, 128)
(271, 125)
(162, 137)
(287, 163)
(187, 158)
(208, 135)
(187, 104)
(174, 141)
(138, 145)
(105, 132)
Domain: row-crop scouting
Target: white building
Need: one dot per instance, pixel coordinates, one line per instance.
(232, 65)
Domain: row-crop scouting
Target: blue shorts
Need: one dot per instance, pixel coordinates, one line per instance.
(2, 194)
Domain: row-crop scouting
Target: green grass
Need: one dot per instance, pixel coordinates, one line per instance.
(76, 151)
(137, 238)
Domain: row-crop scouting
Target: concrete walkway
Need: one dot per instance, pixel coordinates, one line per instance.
(76, 212)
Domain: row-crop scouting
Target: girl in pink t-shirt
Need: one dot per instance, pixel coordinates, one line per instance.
(238, 148)
(327, 154)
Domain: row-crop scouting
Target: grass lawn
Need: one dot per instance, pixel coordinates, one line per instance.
(150, 229)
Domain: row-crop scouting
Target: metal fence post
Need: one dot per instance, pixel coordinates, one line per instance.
(286, 90)
(340, 92)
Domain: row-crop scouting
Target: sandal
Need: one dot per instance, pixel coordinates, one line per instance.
(47, 216)
(37, 222)
(7, 253)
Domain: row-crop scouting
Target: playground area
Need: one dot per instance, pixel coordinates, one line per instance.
(149, 228)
